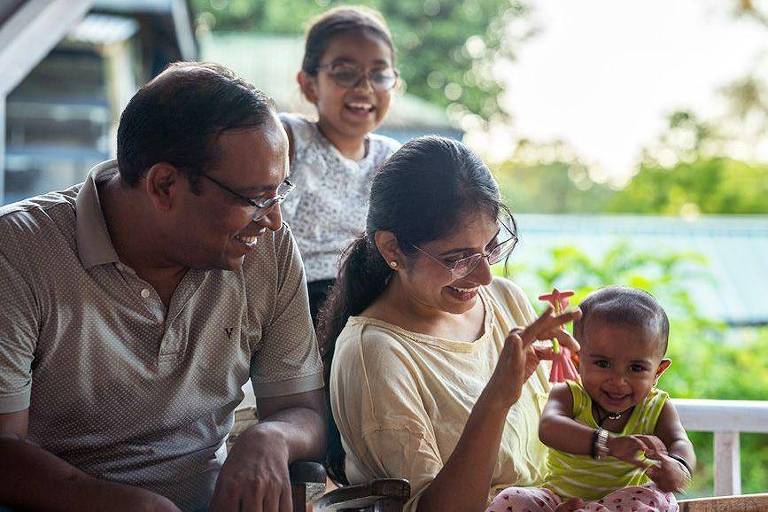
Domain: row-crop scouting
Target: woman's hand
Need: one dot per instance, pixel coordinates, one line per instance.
(519, 358)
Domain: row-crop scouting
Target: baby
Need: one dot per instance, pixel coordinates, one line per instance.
(616, 441)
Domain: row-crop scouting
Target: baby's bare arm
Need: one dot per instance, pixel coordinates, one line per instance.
(676, 461)
(558, 429)
(670, 430)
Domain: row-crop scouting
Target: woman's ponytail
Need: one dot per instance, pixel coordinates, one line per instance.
(362, 278)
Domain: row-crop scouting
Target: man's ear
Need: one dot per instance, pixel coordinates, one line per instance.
(161, 183)
(663, 365)
(308, 85)
(386, 243)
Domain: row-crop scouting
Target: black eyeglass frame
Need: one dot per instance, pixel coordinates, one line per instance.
(368, 75)
(262, 206)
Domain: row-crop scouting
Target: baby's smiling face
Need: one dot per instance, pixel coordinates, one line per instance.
(619, 363)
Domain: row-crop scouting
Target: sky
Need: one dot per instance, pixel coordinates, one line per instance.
(604, 74)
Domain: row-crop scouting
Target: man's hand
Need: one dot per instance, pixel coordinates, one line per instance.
(131, 499)
(32, 478)
(255, 477)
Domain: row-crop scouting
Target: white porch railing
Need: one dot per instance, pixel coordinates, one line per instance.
(726, 419)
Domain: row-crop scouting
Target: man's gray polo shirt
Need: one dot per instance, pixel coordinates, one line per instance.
(115, 384)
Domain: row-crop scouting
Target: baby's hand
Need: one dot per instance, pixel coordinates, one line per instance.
(630, 448)
(668, 474)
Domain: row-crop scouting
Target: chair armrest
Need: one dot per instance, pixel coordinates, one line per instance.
(386, 492)
(742, 503)
(307, 482)
(305, 471)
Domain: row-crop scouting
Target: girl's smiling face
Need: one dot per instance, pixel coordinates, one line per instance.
(350, 112)
(619, 363)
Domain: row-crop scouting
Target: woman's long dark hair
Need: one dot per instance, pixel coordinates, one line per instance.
(420, 194)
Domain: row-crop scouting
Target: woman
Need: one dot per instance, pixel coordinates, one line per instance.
(435, 378)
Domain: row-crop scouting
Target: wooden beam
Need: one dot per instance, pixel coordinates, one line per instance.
(2, 149)
(700, 415)
(185, 36)
(31, 32)
(745, 503)
(727, 464)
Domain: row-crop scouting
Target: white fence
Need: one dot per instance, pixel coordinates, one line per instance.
(726, 419)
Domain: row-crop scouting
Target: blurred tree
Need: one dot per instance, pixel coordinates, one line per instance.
(684, 173)
(747, 96)
(549, 178)
(550, 187)
(755, 10)
(685, 139)
(680, 175)
(709, 185)
(703, 165)
(447, 48)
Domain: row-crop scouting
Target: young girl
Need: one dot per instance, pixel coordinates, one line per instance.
(348, 73)
(616, 442)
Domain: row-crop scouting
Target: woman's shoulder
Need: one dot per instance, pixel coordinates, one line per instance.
(372, 338)
(371, 352)
(376, 343)
(511, 303)
(507, 291)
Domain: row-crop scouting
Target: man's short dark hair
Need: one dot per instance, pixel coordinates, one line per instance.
(624, 305)
(177, 117)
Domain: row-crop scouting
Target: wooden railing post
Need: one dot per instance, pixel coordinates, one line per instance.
(726, 419)
(727, 464)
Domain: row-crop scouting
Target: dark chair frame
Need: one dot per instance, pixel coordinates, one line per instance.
(307, 483)
(381, 495)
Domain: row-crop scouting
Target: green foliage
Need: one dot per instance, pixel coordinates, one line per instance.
(708, 360)
(708, 186)
(715, 185)
(446, 47)
(550, 187)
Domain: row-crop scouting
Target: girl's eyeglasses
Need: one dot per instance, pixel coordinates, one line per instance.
(262, 205)
(350, 75)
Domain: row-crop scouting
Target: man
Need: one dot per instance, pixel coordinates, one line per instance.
(135, 305)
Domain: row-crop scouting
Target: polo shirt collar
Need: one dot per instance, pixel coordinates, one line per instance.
(94, 245)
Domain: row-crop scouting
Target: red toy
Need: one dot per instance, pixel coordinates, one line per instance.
(562, 366)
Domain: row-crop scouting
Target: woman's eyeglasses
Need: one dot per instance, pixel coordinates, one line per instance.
(465, 266)
(350, 75)
(262, 205)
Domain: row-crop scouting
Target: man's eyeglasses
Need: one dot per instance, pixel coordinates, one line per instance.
(350, 75)
(465, 266)
(262, 205)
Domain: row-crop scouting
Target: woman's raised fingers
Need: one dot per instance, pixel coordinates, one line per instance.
(548, 326)
(565, 339)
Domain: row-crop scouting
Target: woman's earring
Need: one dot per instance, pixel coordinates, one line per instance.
(393, 264)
